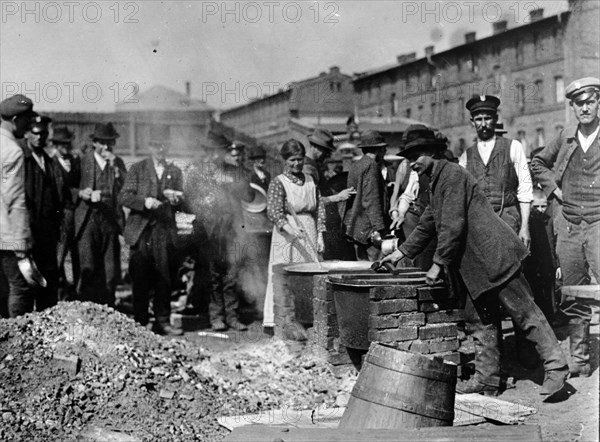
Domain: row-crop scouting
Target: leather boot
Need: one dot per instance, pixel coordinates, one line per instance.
(579, 336)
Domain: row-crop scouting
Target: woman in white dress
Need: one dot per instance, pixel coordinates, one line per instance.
(294, 206)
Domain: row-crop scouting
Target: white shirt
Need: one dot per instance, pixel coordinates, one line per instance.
(100, 161)
(65, 163)
(586, 142)
(412, 188)
(40, 160)
(517, 156)
(159, 168)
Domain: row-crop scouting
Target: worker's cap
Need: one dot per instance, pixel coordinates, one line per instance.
(16, 105)
(582, 89)
(483, 103)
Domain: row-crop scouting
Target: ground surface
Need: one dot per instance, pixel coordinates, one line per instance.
(158, 389)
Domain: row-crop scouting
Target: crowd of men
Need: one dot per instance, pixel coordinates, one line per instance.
(471, 222)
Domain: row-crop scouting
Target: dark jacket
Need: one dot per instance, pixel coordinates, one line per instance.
(72, 178)
(550, 164)
(142, 183)
(366, 212)
(34, 184)
(472, 239)
(109, 201)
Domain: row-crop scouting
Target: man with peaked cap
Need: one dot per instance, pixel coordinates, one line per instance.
(16, 297)
(479, 250)
(70, 168)
(259, 175)
(365, 217)
(568, 169)
(500, 167)
(46, 198)
(153, 191)
(99, 217)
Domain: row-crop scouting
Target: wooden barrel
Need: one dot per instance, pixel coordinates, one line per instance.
(402, 390)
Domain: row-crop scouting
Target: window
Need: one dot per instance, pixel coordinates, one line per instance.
(446, 117)
(559, 88)
(536, 47)
(461, 110)
(520, 97)
(407, 112)
(393, 104)
(519, 52)
(420, 115)
(539, 91)
(331, 88)
(339, 86)
(433, 114)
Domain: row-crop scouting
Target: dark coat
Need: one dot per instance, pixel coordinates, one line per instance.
(472, 239)
(142, 183)
(366, 212)
(88, 179)
(254, 178)
(34, 182)
(72, 177)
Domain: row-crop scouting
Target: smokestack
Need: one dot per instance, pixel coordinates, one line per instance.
(334, 70)
(188, 89)
(500, 26)
(469, 37)
(406, 58)
(536, 14)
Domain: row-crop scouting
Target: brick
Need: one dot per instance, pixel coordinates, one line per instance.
(445, 316)
(328, 320)
(439, 347)
(394, 334)
(450, 356)
(393, 306)
(320, 305)
(323, 331)
(339, 357)
(393, 292)
(433, 293)
(428, 306)
(419, 346)
(70, 363)
(326, 342)
(403, 345)
(393, 321)
(438, 331)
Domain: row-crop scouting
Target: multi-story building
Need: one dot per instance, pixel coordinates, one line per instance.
(527, 67)
(322, 98)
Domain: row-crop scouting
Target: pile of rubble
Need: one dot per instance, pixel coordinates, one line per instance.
(81, 365)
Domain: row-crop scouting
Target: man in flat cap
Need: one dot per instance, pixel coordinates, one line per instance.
(99, 217)
(46, 197)
(477, 249)
(153, 192)
(366, 216)
(15, 233)
(70, 168)
(568, 169)
(500, 167)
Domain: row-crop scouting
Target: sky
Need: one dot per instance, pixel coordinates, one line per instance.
(88, 55)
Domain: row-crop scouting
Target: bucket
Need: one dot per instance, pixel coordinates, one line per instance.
(401, 390)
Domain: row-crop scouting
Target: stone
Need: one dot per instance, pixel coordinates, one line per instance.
(393, 306)
(438, 331)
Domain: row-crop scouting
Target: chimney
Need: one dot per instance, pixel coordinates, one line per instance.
(469, 37)
(536, 14)
(322, 74)
(429, 51)
(500, 26)
(406, 58)
(188, 89)
(334, 70)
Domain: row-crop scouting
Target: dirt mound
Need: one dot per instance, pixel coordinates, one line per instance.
(81, 364)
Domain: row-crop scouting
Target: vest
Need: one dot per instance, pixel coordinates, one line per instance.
(581, 185)
(498, 179)
(422, 200)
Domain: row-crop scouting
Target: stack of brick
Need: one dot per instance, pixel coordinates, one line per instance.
(286, 326)
(325, 333)
(424, 320)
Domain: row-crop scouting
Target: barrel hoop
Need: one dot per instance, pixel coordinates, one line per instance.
(400, 403)
(447, 374)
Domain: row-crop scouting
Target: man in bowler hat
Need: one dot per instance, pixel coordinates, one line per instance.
(46, 197)
(568, 169)
(70, 168)
(259, 175)
(153, 191)
(99, 217)
(16, 297)
(477, 249)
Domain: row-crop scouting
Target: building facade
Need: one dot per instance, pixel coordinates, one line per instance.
(322, 98)
(527, 67)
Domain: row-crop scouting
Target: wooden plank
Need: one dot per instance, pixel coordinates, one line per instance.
(318, 418)
(492, 408)
(262, 433)
(588, 292)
